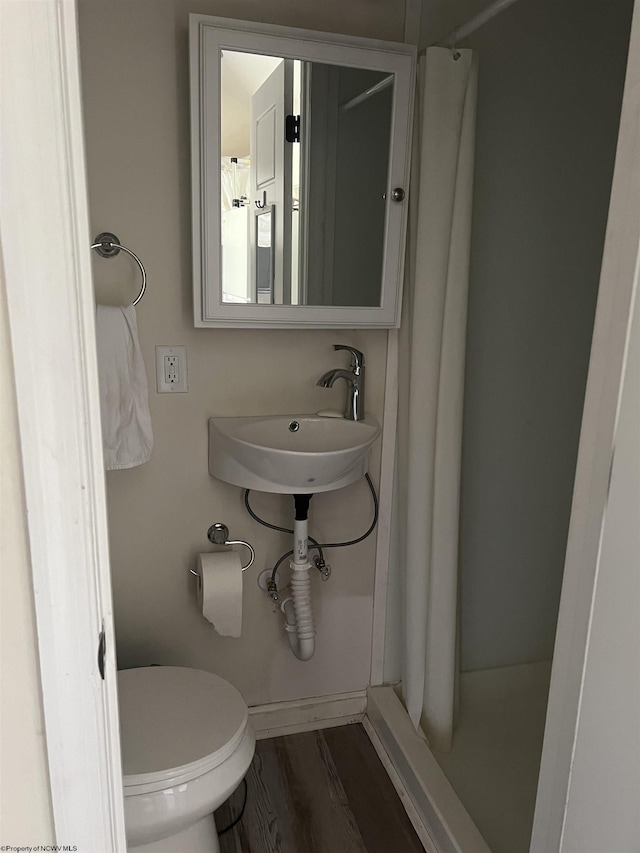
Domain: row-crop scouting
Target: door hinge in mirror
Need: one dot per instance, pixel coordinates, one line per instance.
(292, 129)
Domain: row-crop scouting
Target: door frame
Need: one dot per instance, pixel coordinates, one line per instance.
(52, 329)
(44, 234)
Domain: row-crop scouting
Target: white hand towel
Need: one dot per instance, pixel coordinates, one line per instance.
(127, 436)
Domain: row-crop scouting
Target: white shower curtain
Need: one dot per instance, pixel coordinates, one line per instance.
(432, 354)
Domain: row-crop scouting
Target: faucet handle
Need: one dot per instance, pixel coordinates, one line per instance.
(357, 357)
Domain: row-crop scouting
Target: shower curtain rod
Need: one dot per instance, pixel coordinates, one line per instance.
(473, 24)
(363, 96)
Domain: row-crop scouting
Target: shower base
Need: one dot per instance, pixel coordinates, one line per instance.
(481, 796)
(495, 760)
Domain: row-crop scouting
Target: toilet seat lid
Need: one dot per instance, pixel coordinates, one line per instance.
(175, 721)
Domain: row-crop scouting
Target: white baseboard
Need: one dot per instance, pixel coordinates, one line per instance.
(306, 715)
(439, 818)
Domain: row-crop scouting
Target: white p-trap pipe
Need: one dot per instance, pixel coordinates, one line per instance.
(299, 625)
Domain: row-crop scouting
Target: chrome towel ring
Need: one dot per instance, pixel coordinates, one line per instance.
(107, 245)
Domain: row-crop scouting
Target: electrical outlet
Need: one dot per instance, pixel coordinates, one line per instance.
(171, 369)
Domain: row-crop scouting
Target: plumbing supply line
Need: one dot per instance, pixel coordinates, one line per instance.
(376, 510)
(268, 524)
(320, 546)
(315, 544)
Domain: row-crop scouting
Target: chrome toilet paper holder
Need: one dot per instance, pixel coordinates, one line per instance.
(218, 534)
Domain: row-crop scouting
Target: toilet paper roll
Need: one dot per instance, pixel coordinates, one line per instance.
(220, 591)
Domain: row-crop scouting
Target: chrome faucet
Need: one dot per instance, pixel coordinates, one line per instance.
(354, 409)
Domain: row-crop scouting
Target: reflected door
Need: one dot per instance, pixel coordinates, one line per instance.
(271, 176)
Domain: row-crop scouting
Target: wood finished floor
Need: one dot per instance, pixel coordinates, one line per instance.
(318, 792)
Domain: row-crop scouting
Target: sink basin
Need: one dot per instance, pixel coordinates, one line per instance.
(290, 454)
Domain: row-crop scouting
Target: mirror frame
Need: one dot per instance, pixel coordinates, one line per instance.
(208, 37)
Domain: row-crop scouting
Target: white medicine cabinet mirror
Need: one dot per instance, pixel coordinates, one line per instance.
(300, 170)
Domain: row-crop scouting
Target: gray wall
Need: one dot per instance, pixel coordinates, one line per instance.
(551, 76)
(439, 17)
(361, 182)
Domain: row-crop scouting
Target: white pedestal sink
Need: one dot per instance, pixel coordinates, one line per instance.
(290, 454)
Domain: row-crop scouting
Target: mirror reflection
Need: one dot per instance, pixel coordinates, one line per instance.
(303, 176)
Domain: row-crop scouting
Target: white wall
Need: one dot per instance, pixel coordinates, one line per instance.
(604, 791)
(550, 89)
(136, 99)
(25, 806)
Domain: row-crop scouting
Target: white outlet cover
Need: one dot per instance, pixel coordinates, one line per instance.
(181, 384)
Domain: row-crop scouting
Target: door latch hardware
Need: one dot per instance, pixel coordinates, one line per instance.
(102, 649)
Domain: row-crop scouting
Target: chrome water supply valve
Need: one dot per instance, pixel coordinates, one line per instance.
(272, 590)
(322, 567)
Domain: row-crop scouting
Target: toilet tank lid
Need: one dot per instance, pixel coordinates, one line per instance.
(174, 716)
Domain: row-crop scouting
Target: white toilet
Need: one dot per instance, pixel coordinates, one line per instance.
(186, 745)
